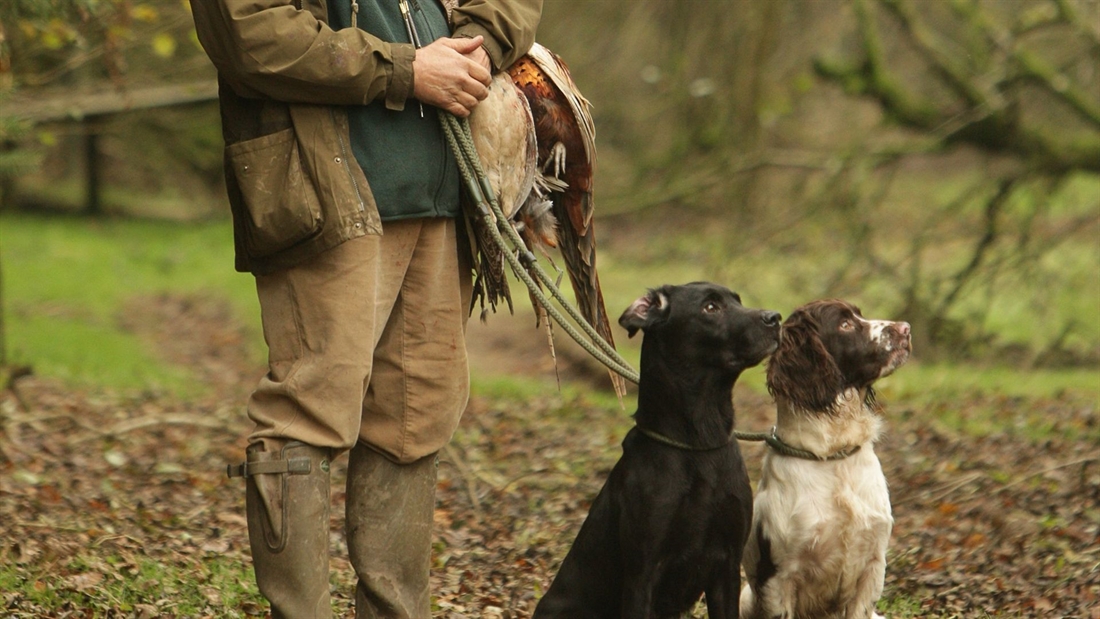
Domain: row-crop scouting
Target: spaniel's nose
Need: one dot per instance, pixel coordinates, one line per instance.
(903, 328)
(771, 318)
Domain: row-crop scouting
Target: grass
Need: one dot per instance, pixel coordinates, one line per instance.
(986, 400)
(213, 586)
(949, 381)
(902, 607)
(788, 256)
(69, 282)
(90, 352)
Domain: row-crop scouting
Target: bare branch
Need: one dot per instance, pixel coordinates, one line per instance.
(1090, 30)
(993, 208)
(987, 122)
(1030, 65)
(881, 82)
(1058, 85)
(957, 78)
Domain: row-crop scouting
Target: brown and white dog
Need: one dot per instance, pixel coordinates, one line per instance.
(821, 522)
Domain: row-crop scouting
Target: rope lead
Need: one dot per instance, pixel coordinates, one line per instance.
(457, 132)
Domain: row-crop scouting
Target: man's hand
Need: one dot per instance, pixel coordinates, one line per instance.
(481, 57)
(447, 75)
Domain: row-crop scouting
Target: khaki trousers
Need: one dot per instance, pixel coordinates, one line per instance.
(366, 342)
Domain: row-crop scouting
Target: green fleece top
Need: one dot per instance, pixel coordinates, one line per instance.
(406, 159)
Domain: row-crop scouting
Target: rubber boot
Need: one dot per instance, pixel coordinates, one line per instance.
(390, 510)
(287, 503)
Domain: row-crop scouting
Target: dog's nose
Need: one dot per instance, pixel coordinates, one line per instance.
(903, 329)
(771, 318)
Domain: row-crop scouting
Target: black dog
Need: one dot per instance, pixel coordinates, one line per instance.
(671, 522)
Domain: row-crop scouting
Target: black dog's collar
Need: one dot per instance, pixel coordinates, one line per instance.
(782, 448)
(661, 438)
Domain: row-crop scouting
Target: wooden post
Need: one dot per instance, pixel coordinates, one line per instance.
(7, 181)
(92, 204)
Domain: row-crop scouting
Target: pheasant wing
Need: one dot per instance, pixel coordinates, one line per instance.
(566, 155)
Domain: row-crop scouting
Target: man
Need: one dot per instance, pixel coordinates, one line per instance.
(344, 197)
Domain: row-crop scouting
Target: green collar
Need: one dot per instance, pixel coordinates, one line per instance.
(661, 438)
(784, 449)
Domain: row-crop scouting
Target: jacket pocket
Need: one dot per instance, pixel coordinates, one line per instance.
(281, 202)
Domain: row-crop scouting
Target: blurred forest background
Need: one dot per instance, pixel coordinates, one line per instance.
(936, 161)
(940, 157)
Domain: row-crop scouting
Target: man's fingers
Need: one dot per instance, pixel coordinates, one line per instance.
(457, 110)
(481, 57)
(477, 89)
(447, 76)
(461, 105)
(467, 101)
(463, 45)
(480, 73)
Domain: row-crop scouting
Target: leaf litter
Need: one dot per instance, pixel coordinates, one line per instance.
(103, 494)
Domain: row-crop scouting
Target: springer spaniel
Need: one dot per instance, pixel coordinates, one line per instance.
(821, 517)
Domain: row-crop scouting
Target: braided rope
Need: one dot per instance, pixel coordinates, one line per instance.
(661, 438)
(461, 131)
(773, 441)
(457, 132)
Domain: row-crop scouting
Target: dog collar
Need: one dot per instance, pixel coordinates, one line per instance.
(661, 438)
(784, 449)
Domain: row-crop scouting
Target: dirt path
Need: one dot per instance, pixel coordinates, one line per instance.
(999, 526)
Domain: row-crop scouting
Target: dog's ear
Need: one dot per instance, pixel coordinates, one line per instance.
(643, 312)
(801, 370)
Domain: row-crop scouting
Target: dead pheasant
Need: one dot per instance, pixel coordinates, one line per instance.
(536, 139)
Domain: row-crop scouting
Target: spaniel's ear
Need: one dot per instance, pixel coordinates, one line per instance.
(801, 370)
(645, 312)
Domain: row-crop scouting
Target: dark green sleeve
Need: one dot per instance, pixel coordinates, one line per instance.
(507, 25)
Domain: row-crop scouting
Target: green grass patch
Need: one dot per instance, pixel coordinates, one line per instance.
(105, 585)
(69, 281)
(88, 353)
(917, 382)
(980, 401)
(506, 390)
(901, 607)
(169, 202)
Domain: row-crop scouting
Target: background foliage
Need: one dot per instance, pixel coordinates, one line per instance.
(932, 160)
(938, 161)
(942, 153)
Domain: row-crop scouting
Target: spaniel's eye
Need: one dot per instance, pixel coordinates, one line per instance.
(847, 324)
(710, 307)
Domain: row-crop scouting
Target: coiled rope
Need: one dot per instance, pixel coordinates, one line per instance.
(524, 263)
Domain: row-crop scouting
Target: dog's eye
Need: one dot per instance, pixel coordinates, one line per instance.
(710, 307)
(847, 324)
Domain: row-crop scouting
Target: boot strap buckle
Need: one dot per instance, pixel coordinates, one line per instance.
(289, 466)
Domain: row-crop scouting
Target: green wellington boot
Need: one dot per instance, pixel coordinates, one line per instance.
(287, 502)
(390, 509)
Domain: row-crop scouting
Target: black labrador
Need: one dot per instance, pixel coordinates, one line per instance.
(671, 521)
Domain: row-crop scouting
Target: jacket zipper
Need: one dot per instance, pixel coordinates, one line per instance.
(443, 175)
(344, 161)
(444, 168)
